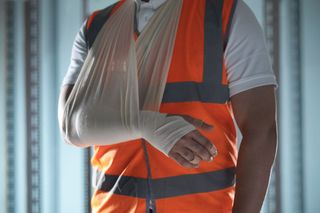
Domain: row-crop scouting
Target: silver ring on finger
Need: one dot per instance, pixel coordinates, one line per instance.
(193, 157)
(188, 154)
(195, 160)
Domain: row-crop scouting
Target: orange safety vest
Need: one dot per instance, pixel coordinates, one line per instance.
(133, 176)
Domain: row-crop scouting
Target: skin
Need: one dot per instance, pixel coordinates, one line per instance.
(255, 113)
(188, 151)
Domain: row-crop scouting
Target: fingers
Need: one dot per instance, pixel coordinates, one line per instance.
(193, 147)
(182, 161)
(196, 160)
(197, 136)
(199, 150)
(201, 124)
(196, 122)
(187, 154)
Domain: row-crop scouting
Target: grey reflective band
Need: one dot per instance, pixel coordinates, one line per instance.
(167, 187)
(210, 90)
(227, 34)
(149, 196)
(206, 92)
(96, 24)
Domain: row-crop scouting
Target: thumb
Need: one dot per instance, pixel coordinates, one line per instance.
(201, 124)
(194, 121)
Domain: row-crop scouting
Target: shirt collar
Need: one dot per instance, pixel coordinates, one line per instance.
(155, 4)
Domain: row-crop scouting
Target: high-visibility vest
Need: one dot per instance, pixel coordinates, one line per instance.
(133, 176)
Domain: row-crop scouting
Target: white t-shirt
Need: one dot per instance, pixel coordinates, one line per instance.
(246, 56)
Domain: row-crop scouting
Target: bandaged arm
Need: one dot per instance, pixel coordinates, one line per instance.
(88, 128)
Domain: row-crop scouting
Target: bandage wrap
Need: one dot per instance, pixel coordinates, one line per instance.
(118, 93)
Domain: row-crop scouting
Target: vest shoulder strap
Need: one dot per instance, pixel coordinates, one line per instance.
(229, 7)
(96, 20)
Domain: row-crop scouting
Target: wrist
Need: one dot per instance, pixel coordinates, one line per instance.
(163, 131)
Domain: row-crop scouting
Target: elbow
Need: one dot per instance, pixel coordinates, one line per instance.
(271, 135)
(70, 136)
(263, 141)
(264, 133)
(73, 140)
(270, 142)
(66, 119)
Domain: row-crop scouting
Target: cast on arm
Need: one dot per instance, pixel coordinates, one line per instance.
(87, 128)
(110, 103)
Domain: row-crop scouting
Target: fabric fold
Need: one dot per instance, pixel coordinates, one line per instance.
(119, 90)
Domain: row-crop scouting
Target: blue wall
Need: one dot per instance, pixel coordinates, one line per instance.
(62, 164)
(311, 103)
(2, 114)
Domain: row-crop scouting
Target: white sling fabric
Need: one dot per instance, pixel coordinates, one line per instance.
(118, 93)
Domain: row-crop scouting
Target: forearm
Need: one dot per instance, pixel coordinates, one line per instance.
(88, 127)
(99, 126)
(256, 156)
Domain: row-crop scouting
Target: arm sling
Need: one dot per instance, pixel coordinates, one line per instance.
(118, 93)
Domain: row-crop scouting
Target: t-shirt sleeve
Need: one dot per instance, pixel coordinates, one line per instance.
(246, 56)
(78, 55)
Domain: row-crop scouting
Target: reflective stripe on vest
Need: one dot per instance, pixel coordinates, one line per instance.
(129, 181)
(179, 185)
(95, 23)
(210, 90)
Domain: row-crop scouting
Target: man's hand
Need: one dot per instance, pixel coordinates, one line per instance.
(193, 147)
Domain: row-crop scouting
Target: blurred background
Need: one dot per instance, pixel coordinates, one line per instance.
(40, 173)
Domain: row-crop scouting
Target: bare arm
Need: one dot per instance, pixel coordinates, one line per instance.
(255, 114)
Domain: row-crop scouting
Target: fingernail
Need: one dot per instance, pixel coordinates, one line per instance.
(215, 153)
(211, 159)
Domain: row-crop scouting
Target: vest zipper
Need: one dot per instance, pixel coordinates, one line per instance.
(149, 199)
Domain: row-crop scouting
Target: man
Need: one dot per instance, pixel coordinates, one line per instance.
(212, 79)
